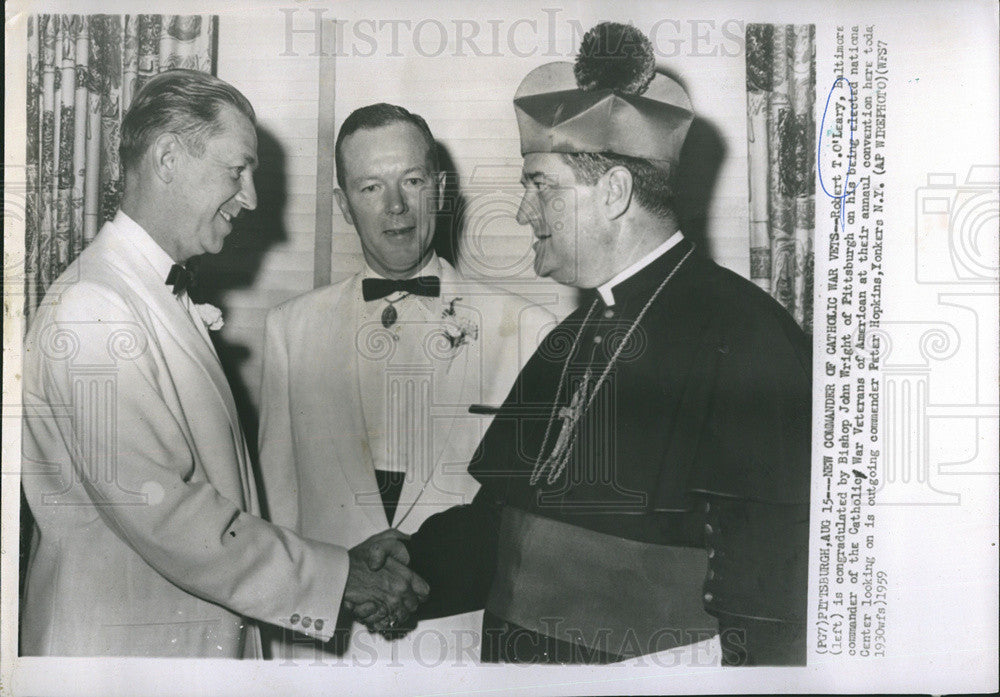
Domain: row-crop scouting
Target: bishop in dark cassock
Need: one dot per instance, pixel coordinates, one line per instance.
(645, 485)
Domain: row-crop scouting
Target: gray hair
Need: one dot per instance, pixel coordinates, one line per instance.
(184, 102)
(651, 185)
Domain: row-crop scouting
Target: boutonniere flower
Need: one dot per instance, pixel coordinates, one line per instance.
(457, 330)
(210, 315)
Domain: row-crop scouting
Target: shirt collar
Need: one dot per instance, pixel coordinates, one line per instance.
(432, 268)
(605, 289)
(147, 246)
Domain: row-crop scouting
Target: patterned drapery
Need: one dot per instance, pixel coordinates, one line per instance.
(82, 73)
(781, 95)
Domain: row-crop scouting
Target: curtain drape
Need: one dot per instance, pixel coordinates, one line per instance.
(82, 73)
(781, 96)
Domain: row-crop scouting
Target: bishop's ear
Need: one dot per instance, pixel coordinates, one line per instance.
(616, 186)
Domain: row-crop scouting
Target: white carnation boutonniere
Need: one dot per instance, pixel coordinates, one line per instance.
(457, 329)
(210, 315)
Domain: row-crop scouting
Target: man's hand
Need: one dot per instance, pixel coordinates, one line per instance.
(380, 547)
(381, 592)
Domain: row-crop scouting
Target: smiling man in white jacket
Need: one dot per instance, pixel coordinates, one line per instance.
(147, 539)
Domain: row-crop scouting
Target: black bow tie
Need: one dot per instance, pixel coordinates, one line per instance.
(180, 278)
(376, 288)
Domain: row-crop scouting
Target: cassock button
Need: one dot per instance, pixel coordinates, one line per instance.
(598, 339)
(711, 574)
(294, 619)
(708, 597)
(708, 507)
(711, 553)
(318, 624)
(306, 621)
(708, 529)
(609, 313)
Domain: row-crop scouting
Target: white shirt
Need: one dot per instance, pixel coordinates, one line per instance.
(605, 289)
(397, 369)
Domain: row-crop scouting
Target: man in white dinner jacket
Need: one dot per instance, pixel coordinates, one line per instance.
(147, 540)
(367, 383)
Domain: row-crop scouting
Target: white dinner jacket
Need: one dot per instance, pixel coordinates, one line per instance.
(138, 477)
(317, 469)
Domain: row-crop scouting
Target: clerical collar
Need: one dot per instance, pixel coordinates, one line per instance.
(147, 246)
(606, 288)
(433, 267)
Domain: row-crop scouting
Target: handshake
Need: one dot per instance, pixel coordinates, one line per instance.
(381, 591)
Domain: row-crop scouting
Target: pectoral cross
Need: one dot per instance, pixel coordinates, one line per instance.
(570, 417)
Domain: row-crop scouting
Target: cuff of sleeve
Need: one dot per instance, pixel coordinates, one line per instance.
(318, 619)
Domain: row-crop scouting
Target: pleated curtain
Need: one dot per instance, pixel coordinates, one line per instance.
(781, 96)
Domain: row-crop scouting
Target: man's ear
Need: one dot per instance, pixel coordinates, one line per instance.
(345, 207)
(616, 187)
(442, 179)
(166, 156)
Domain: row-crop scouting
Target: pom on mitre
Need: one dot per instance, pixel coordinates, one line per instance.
(617, 57)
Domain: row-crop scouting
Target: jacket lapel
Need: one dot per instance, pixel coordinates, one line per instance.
(453, 380)
(149, 288)
(348, 430)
